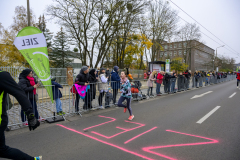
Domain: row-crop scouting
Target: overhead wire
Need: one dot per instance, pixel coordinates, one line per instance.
(204, 28)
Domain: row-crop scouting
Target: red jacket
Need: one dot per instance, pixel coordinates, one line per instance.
(159, 78)
(238, 75)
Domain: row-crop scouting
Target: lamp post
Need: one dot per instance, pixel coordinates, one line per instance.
(216, 54)
(28, 13)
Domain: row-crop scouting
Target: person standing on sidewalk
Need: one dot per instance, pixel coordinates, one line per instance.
(102, 86)
(173, 81)
(9, 86)
(29, 85)
(93, 80)
(115, 83)
(188, 76)
(150, 82)
(56, 96)
(159, 82)
(83, 79)
(126, 94)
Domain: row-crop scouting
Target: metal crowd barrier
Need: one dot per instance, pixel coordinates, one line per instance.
(72, 104)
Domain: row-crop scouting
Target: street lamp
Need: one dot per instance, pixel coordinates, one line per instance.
(216, 54)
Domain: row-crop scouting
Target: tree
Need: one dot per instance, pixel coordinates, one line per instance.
(190, 36)
(163, 24)
(94, 25)
(60, 53)
(178, 65)
(42, 25)
(20, 19)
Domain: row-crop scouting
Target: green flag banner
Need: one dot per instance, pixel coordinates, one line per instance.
(31, 42)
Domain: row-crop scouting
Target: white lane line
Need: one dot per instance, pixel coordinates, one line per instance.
(201, 95)
(208, 115)
(232, 95)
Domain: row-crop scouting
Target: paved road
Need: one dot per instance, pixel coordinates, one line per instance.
(164, 128)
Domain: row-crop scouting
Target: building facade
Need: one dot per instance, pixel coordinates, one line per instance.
(197, 55)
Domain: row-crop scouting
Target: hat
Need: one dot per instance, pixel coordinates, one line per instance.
(26, 72)
(115, 68)
(84, 68)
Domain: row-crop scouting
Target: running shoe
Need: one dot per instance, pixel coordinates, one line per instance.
(131, 118)
(125, 110)
(38, 158)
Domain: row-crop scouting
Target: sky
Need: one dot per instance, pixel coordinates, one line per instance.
(221, 17)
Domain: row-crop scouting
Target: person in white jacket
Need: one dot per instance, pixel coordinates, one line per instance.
(102, 86)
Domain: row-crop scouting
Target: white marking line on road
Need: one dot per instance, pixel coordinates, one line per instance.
(232, 95)
(208, 115)
(198, 96)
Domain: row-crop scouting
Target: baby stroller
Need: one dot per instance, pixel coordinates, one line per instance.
(136, 91)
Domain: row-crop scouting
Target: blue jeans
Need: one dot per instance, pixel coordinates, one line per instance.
(173, 87)
(158, 88)
(58, 105)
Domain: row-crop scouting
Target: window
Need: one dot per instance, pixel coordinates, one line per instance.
(165, 54)
(180, 45)
(175, 53)
(175, 45)
(170, 46)
(185, 52)
(170, 54)
(180, 53)
(185, 44)
(166, 47)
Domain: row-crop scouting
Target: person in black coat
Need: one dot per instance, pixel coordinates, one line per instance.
(83, 79)
(56, 96)
(29, 85)
(93, 80)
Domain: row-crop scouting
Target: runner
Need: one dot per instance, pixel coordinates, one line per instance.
(125, 89)
(238, 78)
(8, 85)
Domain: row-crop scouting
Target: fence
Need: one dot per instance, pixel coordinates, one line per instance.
(73, 104)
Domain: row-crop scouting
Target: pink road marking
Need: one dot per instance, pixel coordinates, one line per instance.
(110, 144)
(122, 128)
(148, 149)
(139, 135)
(125, 130)
(113, 119)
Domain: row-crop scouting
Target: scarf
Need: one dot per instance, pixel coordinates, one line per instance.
(32, 82)
(124, 80)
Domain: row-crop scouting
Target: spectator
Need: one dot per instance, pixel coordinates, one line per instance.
(98, 69)
(56, 96)
(180, 82)
(187, 75)
(93, 80)
(108, 98)
(108, 74)
(167, 83)
(173, 81)
(102, 86)
(83, 79)
(115, 83)
(159, 82)
(150, 82)
(29, 85)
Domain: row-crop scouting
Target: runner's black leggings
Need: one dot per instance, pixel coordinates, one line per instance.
(128, 106)
(11, 153)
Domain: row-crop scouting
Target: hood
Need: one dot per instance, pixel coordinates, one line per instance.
(21, 76)
(92, 73)
(113, 72)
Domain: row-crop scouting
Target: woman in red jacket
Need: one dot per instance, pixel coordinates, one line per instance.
(159, 82)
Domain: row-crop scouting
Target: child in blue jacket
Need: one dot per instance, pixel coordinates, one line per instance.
(56, 96)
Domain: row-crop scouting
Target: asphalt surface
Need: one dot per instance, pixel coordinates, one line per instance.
(163, 128)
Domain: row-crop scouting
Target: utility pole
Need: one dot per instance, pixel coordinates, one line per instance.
(28, 13)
